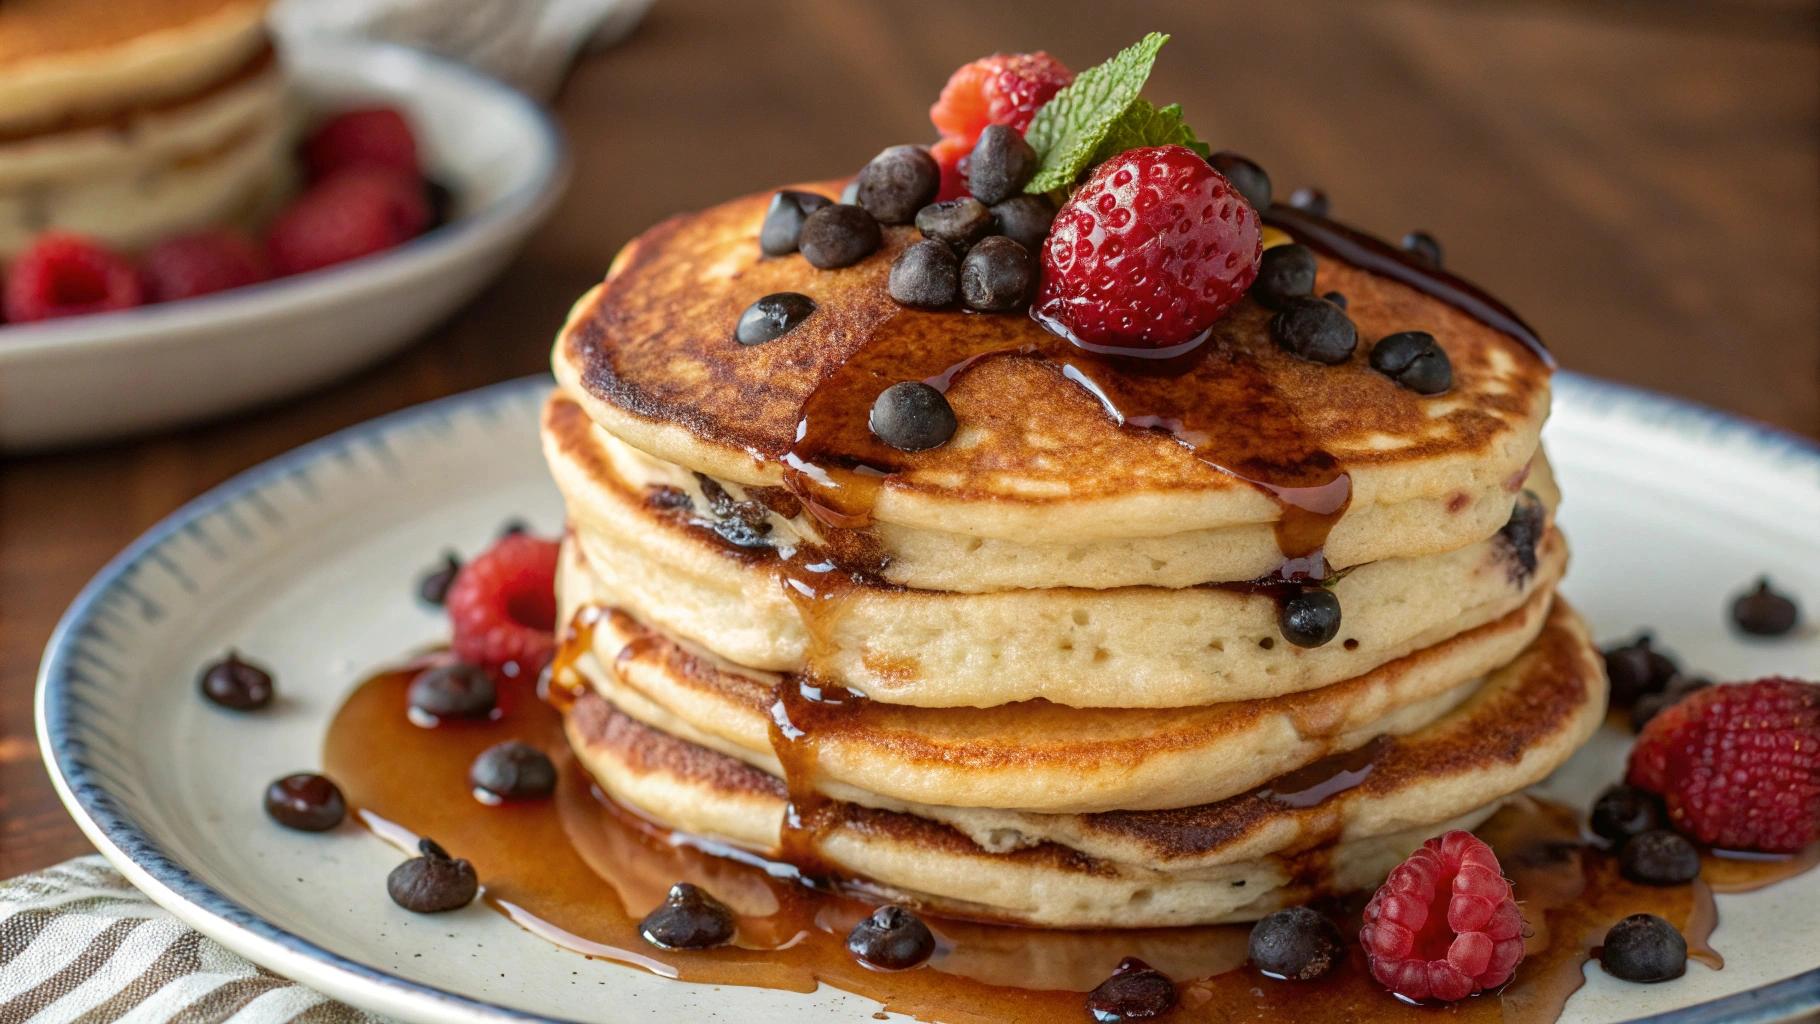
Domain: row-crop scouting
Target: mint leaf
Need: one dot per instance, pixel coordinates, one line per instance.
(1144, 125)
(1071, 127)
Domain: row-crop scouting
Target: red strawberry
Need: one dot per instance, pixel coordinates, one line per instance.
(1738, 766)
(354, 213)
(65, 275)
(1005, 88)
(1152, 250)
(503, 606)
(198, 264)
(377, 137)
(1444, 924)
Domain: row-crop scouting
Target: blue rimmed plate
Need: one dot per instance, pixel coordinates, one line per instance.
(309, 562)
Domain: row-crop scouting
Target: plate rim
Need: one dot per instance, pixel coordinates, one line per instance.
(144, 862)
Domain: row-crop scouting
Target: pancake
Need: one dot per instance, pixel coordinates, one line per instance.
(1033, 756)
(1236, 859)
(66, 60)
(1122, 647)
(1048, 443)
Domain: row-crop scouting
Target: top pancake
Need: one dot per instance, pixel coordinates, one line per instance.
(650, 354)
(67, 59)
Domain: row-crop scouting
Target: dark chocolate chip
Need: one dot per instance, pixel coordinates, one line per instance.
(927, 275)
(1135, 991)
(958, 223)
(1637, 668)
(1414, 360)
(997, 275)
(1309, 617)
(1659, 857)
(772, 317)
(1285, 272)
(433, 586)
(306, 802)
(457, 690)
(1001, 164)
(1764, 612)
(912, 417)
(1336, 298)
(1650, 705)
(1311, 199)
(1521, 533)
(688, 918)
(513, 770)
(1025, 219)
(1643, 948)
(897, 183)
(1316, 330)
(893, 939)
(1623, 811)
(839, 236)
(784, 220)
(1246, 177)
(434, 882)
(744, 523)
(235, 684)
(1423, 247)
(1298, 943)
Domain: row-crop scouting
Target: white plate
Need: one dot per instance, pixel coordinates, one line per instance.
(92, 377)
(309, 561)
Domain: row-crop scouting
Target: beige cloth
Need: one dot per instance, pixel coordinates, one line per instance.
(79, 945)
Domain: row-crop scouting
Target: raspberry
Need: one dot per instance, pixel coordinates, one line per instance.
(1005, 88)
(503, 606)
(1444, 925)
(951, 156)
(194, 265)
(354, 213)
(1737, 766)
(378, 137)
(66, 275)
(1149, 252)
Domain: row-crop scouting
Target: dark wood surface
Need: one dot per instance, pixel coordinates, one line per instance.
(1640, 180)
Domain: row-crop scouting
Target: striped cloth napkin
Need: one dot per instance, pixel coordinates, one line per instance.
(80, 945)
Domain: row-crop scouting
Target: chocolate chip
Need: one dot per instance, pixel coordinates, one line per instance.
(1414, 360)
(688, 919)
(1025, 219)
(893, 939)
(458, 690)
(1764, 612)
(1637, 668)
(306, 802)
(1650, 705)
(912, 417)
(997, 275)
(432, 883)
(839, 236)
(1645, 948)
(1659, 857)
(1316, 330)
(513, 770)
(1423, 247)
(513, 527)
(433, 586)
(1285, 272)
(1247, 178)
(1623, 811)
(1521, 533)
(1001, 164)
(235, 684)
(1336, 298)
(1309, 617)
(784, 220)
(1135, 991)
(958, 223)
(772, 317)
(897, 183)
(927, 274)
(1310, 199)
(1298, 943)
(743, 523)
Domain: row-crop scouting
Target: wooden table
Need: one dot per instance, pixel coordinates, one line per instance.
(1642, 181)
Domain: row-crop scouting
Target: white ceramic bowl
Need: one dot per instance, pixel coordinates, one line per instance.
(94, 377)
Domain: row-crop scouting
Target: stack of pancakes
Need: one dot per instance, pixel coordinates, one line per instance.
(135, 120)
(1037, 674)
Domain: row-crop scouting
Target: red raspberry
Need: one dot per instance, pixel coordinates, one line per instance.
(1738, 766)
(193, 265)
(357, 212)
(1444, 925)
(1149, 253)
(502, 606)
(951, 156)
(378, 137)
(1005, 88)
(66, 275)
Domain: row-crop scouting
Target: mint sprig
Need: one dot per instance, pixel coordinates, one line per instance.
(1070, 129)
(1144, 125)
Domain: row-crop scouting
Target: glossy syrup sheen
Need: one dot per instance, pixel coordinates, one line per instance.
(581, 871)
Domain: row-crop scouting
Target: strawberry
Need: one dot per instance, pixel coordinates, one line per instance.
(1005, 88)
